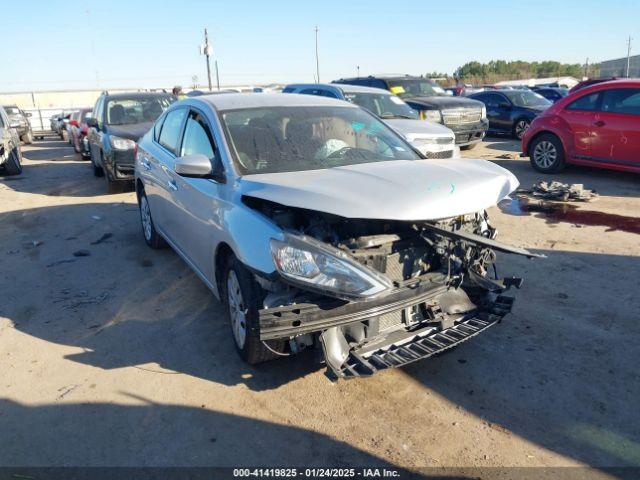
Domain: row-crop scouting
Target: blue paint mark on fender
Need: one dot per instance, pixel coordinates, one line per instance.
(453, 187)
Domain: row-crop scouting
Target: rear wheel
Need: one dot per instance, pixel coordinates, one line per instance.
(12, 165)
(471, 146)
(97, 170)
(27, 138)
(243, 298)
(546, 154)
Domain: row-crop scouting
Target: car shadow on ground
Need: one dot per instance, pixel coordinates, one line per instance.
(571, 384)
(567, 383)
(57, 171)
(151, 434)
(123, 303)
(502, 142)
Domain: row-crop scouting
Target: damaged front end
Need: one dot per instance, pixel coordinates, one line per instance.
(375, 294)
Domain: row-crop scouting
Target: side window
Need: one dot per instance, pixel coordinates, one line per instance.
(1, 119)
(621, 100)
(98, 111)
(328, 93)
(288, 89)
(310, 91)
(197, 137)
(171, 129)
(587, 102)
(157, 127)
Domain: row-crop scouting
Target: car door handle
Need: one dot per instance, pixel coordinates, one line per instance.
(172, 185)
(599, 123)
(146, 163)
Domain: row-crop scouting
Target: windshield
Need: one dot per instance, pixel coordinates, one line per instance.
(12, 110)
(128, 111)
(85, 115)
(382, 104)
(526, 98)
(289, 139)
(415, 88)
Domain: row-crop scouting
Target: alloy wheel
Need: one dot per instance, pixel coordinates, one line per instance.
(521, 127)
(145, 217)
(237, 310)
(545, 154)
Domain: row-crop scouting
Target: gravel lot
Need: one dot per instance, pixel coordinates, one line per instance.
(119, 355)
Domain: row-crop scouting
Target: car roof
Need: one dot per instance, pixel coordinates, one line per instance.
(232, 101)
(346, 88)
(390, 77)
(116, 96)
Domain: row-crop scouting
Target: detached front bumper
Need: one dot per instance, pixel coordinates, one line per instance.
(358, 339)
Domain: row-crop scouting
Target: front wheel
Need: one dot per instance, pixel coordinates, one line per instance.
(520, 127)
(546, 154)
(151, 236)
(471, 146)
(243, 297)
(27, 138)
(12, 165)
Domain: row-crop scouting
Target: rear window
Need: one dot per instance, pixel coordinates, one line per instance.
(129, 111)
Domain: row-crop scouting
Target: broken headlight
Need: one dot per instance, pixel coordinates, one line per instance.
(315, 265)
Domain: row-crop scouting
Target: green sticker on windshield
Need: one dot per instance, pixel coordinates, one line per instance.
(357, 126)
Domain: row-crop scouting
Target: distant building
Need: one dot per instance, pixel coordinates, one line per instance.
(618, 67)
(566, 82)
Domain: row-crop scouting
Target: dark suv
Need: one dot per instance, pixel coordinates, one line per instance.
(19, 120)
(118, 121)
(467, 118)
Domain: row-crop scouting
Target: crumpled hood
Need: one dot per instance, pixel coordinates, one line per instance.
(420, 128)
(408, 190)
(131, 132)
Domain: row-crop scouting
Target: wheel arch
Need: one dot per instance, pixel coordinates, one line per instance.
(222, 253)
(541, 133)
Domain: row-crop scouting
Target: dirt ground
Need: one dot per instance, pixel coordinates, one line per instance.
(114, 354)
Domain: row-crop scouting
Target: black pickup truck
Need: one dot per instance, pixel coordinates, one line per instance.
(467, 118)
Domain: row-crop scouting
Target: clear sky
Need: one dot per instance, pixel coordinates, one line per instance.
(56, 44)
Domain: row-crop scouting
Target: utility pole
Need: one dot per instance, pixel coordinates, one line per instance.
(206, 49)
(317, 61)
(586, 68)
(628, 55)
(217, 76)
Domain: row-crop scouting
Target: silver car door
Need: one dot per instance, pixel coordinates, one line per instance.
(197, 203)
(167, 146)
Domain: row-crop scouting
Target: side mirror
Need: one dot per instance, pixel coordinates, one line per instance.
(196, 165)
(92, 122)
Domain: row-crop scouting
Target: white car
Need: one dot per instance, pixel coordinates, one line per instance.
(318, 225)
(432, 139)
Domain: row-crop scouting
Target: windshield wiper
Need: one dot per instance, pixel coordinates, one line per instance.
(397, 115)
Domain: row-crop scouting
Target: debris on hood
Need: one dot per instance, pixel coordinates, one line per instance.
(558, 191)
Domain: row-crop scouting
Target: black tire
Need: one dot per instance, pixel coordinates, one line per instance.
(27, 138)
(471, 146)
(252, 350)
(97, 170)
(64, 136)
(12, 165)
(151, 236)
(520, 126)
(546, 154)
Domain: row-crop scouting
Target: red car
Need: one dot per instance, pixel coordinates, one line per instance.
(598, 126)
(79, 128)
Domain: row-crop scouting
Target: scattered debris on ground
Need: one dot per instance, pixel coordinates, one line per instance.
(104, 237)
(81, 253)
(559, 191)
